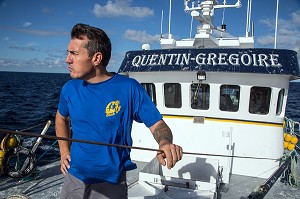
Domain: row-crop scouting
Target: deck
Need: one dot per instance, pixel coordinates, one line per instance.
(48, 185)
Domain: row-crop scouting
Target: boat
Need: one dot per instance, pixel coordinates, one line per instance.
(223, 98)
(225, 102)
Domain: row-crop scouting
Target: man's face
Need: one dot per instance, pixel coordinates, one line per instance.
(79, 63)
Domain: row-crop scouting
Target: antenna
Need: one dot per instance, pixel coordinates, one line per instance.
(161, 22)
(275, 42)
(191, 27)
(252, 33)
(170, 19)
(223, 25)
(248, 23)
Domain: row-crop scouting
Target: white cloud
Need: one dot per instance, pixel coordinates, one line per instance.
(265, 40)
(121, 8)
(23, 48)
(57, 61)
(34, 64)
(268, 22)
(26, 24)
(288, 33)
(296, 18)
(9, 62)
(32, 43)
(40, 32)
(141, 36)
(30, 46)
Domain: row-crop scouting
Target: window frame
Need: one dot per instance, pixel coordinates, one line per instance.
(151, 90)
(174, 89)
(260, 102)
(280, 101)
(203, 92)
(229, 97)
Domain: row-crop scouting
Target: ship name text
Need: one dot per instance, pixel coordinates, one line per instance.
(212, 59)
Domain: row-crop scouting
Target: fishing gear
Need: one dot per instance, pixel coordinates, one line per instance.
(263, 189)
(8, 143)
(14, 164)
(15, 160)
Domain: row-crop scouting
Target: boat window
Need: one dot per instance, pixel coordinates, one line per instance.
(229, 98)
(150, 88)
(200, 96)
(260, 100)
(280, 102)
(172, 92)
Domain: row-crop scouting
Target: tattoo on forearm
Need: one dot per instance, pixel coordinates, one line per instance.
(163, 132)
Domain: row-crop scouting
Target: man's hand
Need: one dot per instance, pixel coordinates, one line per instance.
(171, 152)
(64, 163)
(62, 128)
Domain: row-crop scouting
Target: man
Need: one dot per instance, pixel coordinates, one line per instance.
(101, 106)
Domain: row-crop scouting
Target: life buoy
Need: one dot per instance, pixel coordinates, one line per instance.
(9, 142)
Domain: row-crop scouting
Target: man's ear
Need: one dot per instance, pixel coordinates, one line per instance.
(97, 58)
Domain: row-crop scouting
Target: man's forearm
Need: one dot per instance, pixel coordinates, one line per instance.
(171, 153)
(62, 128)
(162, 133)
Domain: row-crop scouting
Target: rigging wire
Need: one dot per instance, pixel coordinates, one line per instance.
(31, 134)
(32, 127)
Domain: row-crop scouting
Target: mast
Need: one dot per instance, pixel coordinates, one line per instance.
(248, 18)
(161, 23)
(276, 22)
(170, 36)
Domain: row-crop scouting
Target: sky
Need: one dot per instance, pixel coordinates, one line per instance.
(34, 34)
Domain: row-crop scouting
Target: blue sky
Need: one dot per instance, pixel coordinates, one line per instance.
(34, 34)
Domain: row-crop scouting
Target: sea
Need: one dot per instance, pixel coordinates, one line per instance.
(29, 100)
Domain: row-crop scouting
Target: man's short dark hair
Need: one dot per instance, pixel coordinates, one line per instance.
(98, 40)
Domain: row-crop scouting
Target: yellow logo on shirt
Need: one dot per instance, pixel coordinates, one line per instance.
(113, 108)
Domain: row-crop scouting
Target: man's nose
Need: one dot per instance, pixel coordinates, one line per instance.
(69, 58)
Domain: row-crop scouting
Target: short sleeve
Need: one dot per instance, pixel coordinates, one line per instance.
(63, 103)
(144, 109)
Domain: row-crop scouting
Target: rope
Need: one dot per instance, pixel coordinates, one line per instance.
(32, 127)
(47, 149)
(290, 126)
(292, 176)
(30, 134)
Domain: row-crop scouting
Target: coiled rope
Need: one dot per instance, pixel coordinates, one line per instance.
(31, 134)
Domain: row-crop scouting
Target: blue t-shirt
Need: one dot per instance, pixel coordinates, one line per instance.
(104, 112)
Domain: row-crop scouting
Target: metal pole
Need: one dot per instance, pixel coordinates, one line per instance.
(170, 19)
(276, 24)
